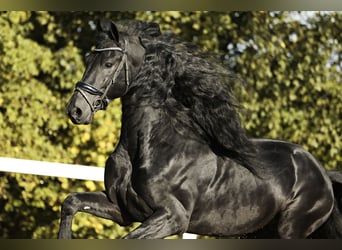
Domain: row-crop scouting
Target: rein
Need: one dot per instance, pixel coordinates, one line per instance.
(102, 102)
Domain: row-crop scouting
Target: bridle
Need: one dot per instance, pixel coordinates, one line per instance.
(102, 101)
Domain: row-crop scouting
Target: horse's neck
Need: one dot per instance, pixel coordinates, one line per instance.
(137, 119)
(140, 112)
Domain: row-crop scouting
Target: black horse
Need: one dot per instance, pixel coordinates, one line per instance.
(183, 162)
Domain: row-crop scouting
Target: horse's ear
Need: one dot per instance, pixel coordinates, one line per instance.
(110, 28)
(114, 31)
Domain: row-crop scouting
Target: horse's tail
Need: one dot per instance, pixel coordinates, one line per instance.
(332, 228)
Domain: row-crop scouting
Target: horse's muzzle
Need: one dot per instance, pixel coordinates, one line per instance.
(78, 113)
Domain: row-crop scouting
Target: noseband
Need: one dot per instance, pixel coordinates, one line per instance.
(102, 101)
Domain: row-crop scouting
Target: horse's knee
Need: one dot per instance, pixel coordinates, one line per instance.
(180, 219)
(182, 223)
(70, 205)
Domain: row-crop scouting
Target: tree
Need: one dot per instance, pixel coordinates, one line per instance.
(291, 67)
(39, 65)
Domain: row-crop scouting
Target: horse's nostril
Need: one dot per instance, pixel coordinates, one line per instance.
(78, 112)
(75, 113)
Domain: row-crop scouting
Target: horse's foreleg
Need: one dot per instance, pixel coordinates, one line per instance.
(163, 222)
(95, 203)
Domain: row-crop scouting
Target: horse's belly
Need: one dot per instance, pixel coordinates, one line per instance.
(237, 216)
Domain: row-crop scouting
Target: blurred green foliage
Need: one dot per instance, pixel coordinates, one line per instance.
(292, 71)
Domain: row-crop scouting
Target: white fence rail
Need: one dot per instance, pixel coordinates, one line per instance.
(57, 170)
(51, 169)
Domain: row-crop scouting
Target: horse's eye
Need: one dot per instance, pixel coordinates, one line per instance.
(97, 103)
(108, 65)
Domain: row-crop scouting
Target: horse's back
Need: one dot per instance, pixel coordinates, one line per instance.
(280, 158)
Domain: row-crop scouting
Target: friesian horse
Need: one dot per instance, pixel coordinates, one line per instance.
(184, 163)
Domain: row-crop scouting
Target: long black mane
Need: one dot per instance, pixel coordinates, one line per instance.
(194, 88)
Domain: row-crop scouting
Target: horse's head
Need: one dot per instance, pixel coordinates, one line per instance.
(110, 68)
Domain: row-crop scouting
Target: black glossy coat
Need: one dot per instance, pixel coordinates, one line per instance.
(184, 163)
